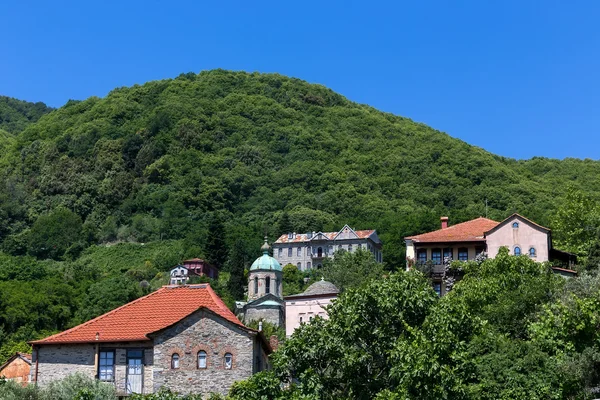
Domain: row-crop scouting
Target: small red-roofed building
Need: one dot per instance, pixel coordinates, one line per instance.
(180, 337)
(17, 368)
(465, 241)
(309, 250)
(181, 274)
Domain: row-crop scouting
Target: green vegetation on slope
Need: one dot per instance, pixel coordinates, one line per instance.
(15, 114)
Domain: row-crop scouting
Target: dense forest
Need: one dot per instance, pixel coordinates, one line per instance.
(100, 197)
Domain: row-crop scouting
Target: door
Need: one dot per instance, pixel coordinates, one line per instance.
(134, 371)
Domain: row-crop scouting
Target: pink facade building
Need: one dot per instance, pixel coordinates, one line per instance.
(465, 241)
(303, 307)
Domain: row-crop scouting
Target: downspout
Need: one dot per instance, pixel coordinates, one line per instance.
(37, 362)
(96, 355)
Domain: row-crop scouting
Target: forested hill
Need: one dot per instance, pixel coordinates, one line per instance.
(15, 114)
(258, 152)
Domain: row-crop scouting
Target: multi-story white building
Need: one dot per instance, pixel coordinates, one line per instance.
(308, 250)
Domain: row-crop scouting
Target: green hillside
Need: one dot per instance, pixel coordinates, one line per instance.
(157, 161)
(15, 114)
(203, 165)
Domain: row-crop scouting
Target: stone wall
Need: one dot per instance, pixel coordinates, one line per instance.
(214, 335)
(271, 314)
(59, 361)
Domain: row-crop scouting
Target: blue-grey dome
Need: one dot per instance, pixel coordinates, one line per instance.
(265, 261)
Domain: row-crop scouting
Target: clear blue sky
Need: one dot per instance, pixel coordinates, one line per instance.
(518, 78)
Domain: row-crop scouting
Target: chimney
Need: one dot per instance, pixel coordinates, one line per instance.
(444, 222)
(274, 342)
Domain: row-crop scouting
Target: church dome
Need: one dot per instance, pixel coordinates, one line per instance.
(266, 262)
(321, 287)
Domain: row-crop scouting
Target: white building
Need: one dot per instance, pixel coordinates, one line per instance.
(308, 250)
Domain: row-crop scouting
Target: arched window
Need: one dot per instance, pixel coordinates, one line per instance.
(175, 361)
(268, 284)
(350, 248)
(532, 252)
(202, 359)
(299, 265)
(256, 285)
(517, 251)
(515, 225)
(228, 361)
(300, 319)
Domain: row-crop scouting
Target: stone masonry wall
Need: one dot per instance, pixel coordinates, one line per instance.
(270, 314)
(59, 361)
(202, 331)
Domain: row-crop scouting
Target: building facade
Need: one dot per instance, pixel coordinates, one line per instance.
(313, 302)
(465, 241)
(180, 337)
(17, 368)
(181, 274)
(308, 250)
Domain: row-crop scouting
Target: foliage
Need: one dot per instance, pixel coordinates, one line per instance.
(268, 330)
(293, 280)
(73, 387)
(53, 234)
(167, 394)
(15, 114)
(347, 270)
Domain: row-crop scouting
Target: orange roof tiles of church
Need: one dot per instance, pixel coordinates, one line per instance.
(302, 237)
(136, 320)
(469, 231)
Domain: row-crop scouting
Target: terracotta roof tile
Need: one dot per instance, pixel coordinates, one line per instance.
(302, 237)
(469, 231)
(136, 320)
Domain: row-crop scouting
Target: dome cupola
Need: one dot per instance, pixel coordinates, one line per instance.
(266, 262)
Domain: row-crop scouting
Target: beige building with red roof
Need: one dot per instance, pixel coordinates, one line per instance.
(309, 250)
(180, 337)
(466, 240)
(17, 368)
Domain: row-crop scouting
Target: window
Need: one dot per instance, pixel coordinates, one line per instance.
(532, 252)
(276, 286)
(106, 366)
(359, 246)
(202, 359)
(299, 252)
(340, 247)
(350, 248)
(437, 287)
(448, 253)
(290, 235)
(300, 319)
(175, 361)
(279, 251)
(268, 284)
(515, 225)
(256, 285)
(228, 361)
(290, 250)
(479, 250)
(299, 266)
(436, 256)
(517, 251)
(421, 255)
(308, 265)
(463, 254)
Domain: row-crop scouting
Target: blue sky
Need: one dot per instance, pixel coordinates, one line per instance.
(518, 78)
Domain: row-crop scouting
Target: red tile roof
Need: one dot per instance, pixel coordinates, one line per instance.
(470, 231)
(136, 320)
(302, 237)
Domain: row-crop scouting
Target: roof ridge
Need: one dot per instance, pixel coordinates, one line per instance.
(111, 312)
(221, 305)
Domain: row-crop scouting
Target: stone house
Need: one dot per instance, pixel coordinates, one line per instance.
(17, 368)
(465, 241)
(180, 337)
(303, 307)
(308, 250)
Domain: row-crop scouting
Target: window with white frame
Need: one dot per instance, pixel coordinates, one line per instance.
(201, 359)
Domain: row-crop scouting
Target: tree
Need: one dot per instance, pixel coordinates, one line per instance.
(293, 280)
(351, 269)
(236, 264)
(216, 248)
(52, 234)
